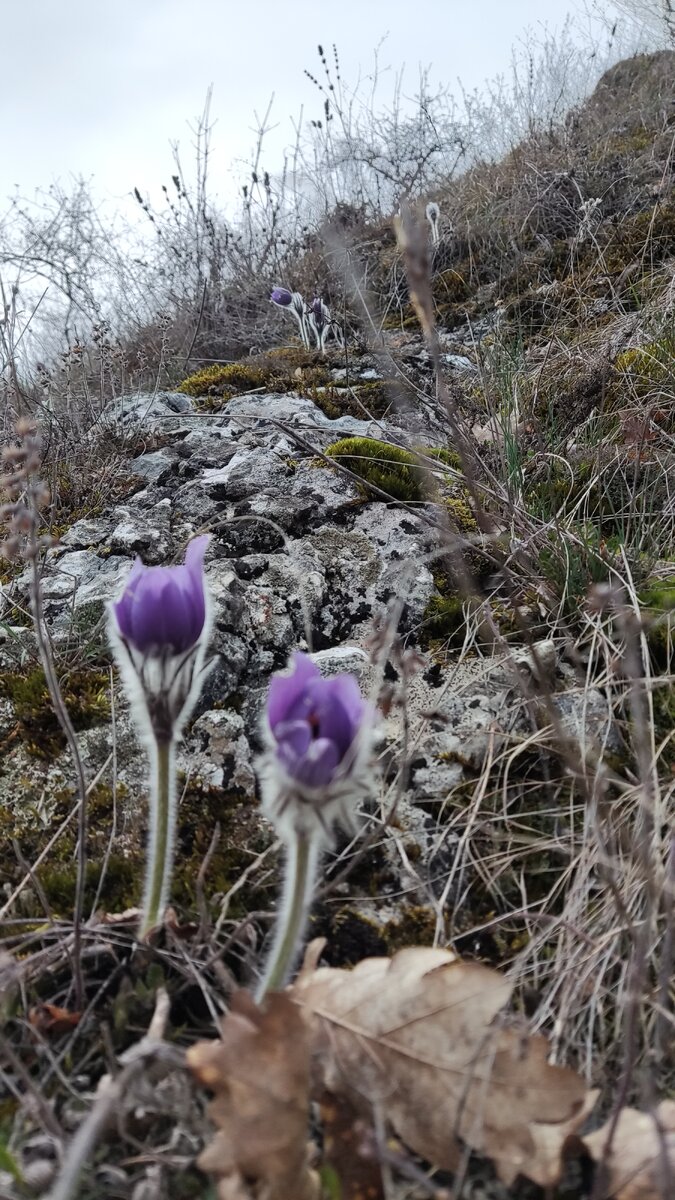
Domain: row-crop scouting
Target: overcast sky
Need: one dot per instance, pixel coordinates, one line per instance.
(101, 87)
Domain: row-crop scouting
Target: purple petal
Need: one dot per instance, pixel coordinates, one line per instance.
(281, 295)
(122, 608)
(348, 693)
(296, 735)
(287, 698)
(317, 767)
(328, 717)
(148, 611)
(164, 608)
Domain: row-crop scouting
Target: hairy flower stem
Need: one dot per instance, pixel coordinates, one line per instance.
(162, 830)
(299, 880)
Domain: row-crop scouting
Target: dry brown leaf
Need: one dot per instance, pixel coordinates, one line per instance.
(641, 1161)
(259, 1072)
(551, 1141)
(418, 1035)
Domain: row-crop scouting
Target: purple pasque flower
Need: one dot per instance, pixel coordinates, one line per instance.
(294, 303)
(159, 630)
(163, 609)
(318, 732)
(281, 296)
(319, 311)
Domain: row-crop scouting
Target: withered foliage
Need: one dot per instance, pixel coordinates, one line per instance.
(419, 1044)
(259, 1072)
(638, 1161)
(419, 1037)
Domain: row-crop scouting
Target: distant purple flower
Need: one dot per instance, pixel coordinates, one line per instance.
(281, 296)
(162, 610)
(318, 310)
(295, 305)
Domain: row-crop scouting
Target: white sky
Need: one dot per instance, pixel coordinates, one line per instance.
(100, 88)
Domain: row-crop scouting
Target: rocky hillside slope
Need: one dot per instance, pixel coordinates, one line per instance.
(516, 558)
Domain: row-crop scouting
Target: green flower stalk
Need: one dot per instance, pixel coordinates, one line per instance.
(302, 860)
(159, 632)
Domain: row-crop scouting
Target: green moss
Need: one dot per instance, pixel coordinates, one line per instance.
(395, 470)
(292, 371)
(650, 369)
(224, 381)
(443, 619)
(628, 142)
(352, 936)
(244, 835)
(121, 885)
(290, 358)
(86, 695)
(415, 927)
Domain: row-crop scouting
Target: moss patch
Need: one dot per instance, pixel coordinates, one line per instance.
(86, 695)
(243, 836)
(396, 471)
(648, 371)
(213, 386)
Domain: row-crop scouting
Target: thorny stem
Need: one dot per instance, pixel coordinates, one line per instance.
(297, 895)
(162, 826)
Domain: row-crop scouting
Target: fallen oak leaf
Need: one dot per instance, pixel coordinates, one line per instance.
(553, 1141)
(640, 1164)
(259, 1072)
(418, 1035)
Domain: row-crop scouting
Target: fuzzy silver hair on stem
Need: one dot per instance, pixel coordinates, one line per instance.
(322, 324)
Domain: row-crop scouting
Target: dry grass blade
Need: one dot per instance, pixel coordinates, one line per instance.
(419, 1035)
(260, 1074)
(640, 1162)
